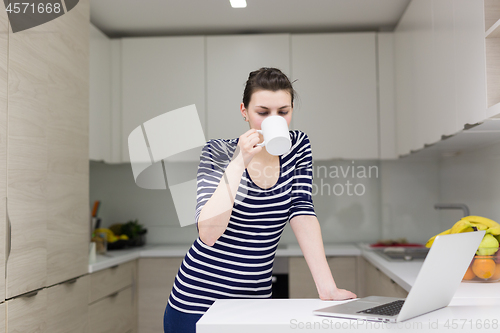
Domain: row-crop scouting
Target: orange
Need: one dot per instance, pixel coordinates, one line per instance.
(496, 275)
(469, 275)
(483, 268)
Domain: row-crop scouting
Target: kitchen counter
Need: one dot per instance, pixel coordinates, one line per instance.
(292, 315)
(116, 257)
(405, 273)
(474, 306)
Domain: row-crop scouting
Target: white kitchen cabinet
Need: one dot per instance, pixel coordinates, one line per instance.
(337, 85)
(301, 283)
(3, 147)
(67, 306)
(387, 97)
(230, 59)
(160, 74)
(100, 120)
(156, 278)
(440, 71)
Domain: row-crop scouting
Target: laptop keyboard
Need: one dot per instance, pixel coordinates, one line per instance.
(388, 309)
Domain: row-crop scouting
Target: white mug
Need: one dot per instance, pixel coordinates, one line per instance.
(276, 137)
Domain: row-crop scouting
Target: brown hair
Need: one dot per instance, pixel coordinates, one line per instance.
(266, 78)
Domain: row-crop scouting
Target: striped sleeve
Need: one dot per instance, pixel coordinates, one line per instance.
(214, 159)
(302, 203)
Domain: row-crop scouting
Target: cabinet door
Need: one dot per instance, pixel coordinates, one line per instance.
(3, 145)
(68, 232)
(337, 85)
(112, 314)
(27, 158)
(3, 313)
(470, 61)
(67, 306)
(28, 314)
(160, 74)
(99, 96)
(301, 282)
(229, 61)
(156, 278)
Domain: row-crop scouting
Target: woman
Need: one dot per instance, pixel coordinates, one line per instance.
(245, 197)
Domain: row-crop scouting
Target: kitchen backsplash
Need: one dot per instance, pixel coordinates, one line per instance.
(356, 201)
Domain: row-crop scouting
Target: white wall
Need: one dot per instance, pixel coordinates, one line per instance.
(472, 178)
(396, 201)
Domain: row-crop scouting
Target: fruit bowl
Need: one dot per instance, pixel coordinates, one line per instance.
(484, 267)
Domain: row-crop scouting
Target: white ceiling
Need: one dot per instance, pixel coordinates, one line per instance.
(124, 18)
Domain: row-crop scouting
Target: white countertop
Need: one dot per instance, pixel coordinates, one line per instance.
(474, 306)
(116, 257)
(292, 315)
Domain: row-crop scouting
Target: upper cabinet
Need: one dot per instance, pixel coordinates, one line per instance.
(100, 97)
(440, 67)
(229, 61)
(160, 74)
(337, 86)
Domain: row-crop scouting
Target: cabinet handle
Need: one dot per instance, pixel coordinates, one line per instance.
(113, 294)
(394, 282)
(71, 281)
(113, 267)
(31, 294)
(9, 235)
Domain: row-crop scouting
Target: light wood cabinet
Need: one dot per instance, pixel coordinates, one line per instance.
(112, 314)
(110, 280)
(113, 299)
(27, 161)
(230, 59)
(379, 284)
(67, 306)
(47, 162)
(3, 147)
(301, 283)
(336, 77)
(160, 74)
(156, 278)
(28, 314)
(67, 146)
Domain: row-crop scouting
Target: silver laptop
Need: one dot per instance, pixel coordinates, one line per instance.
(436, 283)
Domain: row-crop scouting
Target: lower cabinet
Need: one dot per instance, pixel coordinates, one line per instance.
(2, 317)
(378, 284)
(301, 283)
(58, 309)
(156, 278)
(112, 299)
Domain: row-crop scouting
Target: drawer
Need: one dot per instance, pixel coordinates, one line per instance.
(108, 281)
(112, 314)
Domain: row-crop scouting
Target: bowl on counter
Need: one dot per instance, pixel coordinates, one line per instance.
(484, 267)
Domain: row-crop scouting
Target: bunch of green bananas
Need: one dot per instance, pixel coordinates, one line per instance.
(490, 243)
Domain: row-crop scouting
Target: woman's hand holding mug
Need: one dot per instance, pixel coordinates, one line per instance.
(248, 145)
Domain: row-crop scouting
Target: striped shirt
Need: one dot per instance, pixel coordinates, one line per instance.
(240, 263)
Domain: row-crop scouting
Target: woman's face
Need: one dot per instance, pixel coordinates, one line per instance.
(265, 103)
